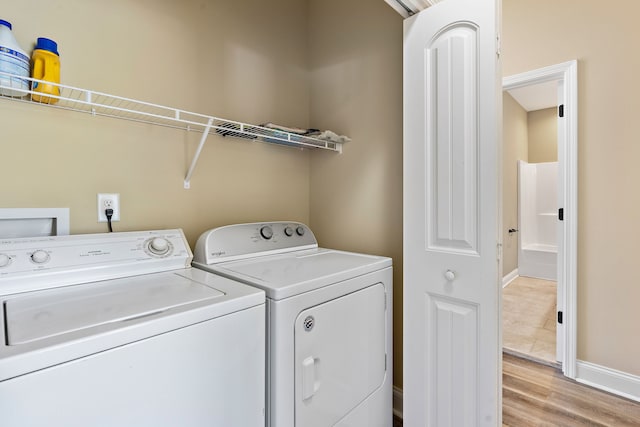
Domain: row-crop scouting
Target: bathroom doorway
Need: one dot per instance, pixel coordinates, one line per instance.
(539, 219)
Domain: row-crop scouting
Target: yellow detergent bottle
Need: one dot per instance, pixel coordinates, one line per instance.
(45, 65)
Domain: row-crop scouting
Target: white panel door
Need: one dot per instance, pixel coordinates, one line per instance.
(452, 344)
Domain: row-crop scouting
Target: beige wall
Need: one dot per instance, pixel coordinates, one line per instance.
(356, 87)
(327, 64)
(543, 135)
(538, 33)
(241, 60)
(515, 147)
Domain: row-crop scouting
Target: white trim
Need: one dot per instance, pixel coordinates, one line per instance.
(510, 277)
(568, 72)
(397, 402)
(609, 380)
(398, 8)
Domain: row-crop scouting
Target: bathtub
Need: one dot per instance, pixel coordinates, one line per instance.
(538, 260)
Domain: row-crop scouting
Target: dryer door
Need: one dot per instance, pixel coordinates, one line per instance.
(340, 356)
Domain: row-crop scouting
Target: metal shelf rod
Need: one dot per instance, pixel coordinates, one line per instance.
(196, 156)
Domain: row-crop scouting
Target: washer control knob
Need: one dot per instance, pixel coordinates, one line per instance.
(300, 230)
(39, 257)
(159, 245)
(4, 260)
(266, 232)
(288, 231)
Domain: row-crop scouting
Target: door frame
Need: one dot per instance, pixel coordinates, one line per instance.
(567, 72)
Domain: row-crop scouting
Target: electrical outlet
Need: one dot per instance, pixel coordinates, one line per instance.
(108, 201)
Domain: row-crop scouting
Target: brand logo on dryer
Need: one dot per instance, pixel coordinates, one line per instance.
(308, 323)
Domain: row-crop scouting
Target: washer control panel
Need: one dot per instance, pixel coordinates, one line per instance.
(45, 262)
(247, 240)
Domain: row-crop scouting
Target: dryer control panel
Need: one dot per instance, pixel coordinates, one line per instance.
(240, 241)
(32, 263)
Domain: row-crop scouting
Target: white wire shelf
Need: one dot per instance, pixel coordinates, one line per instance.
(17, 88)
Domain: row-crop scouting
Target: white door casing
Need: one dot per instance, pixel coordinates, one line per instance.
(452, 117)
(560, 197)
(567, 74)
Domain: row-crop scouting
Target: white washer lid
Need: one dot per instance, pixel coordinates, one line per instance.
(44, 314)
(284, 275)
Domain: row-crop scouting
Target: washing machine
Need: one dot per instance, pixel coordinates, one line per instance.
(329, 334)
(117, 329)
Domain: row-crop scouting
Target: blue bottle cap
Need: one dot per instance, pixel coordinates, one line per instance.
(47, 44)
(5, 23)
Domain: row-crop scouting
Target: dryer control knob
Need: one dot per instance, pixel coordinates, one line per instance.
(300, 230)
(39, 257)
(159, 246)
(288, 231)
(4, 260)
(266, 232)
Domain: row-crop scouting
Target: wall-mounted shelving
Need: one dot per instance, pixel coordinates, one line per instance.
(12, 88)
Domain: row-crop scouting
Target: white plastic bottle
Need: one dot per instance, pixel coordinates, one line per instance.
(13, 60)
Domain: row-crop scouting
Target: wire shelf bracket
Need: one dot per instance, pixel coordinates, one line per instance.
(18, 88)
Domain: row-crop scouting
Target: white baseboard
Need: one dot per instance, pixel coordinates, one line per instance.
(610, 380)
(510, 278)
(397, 402)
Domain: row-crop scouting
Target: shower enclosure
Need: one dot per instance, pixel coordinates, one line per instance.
(538, 215)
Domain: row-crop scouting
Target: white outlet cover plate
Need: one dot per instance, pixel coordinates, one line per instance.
(103, 200)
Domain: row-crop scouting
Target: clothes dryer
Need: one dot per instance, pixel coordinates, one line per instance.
(117, 329)
(329, 340)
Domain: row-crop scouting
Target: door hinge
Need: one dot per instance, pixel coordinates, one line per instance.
(560, 317)
(561, 214)
(561, 110)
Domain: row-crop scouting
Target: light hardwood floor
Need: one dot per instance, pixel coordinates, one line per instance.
(529, 318)
(534, 394)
